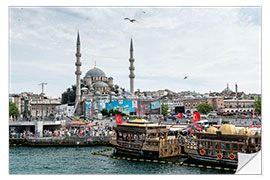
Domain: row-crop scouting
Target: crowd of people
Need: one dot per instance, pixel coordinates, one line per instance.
(24, 134)
(64, 132)
(78, 131)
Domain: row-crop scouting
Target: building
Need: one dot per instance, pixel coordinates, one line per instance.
(241, 106)
(44, 107)
(37, 104)
(216, 102)
(96, 80)
(95, 85)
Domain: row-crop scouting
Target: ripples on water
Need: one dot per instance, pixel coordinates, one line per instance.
(78, 160)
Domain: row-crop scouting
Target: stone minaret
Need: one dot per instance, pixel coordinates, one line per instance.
(78, 72)
(131, 68)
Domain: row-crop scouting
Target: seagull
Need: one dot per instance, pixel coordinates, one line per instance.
(185, 77)
(131, 20)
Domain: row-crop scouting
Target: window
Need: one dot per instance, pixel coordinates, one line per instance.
(222, 146)
(235, 147)
(228, 147)
(241, 147)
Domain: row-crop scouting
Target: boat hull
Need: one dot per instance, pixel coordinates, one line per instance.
(213, 161)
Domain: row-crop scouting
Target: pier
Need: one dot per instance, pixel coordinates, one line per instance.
(61, 141)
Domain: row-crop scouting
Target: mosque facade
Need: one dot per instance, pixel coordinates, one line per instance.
(95, 83)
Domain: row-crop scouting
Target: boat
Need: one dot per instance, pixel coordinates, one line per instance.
(144, 138)
(221, 146)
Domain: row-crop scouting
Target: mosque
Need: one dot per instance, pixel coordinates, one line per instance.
(95, 82)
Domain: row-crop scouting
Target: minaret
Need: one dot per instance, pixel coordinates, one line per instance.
(78, 72)
(131, 68)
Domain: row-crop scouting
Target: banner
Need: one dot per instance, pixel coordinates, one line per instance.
(155, 105)
(87, 109)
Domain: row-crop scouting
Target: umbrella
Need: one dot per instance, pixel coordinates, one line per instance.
(76, 123)
(91, 124)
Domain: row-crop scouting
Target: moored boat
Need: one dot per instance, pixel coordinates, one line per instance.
(145, 138)
(221, 146)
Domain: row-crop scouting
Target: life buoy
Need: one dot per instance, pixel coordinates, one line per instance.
(219, 156)
(202, 152)
(232, 156)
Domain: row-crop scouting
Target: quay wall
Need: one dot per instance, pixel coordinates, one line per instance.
(63, 141)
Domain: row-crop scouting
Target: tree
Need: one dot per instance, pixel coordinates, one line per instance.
(257, 105)
(164, 110)
(204, 108)
(13, 110)
(26, 112)
(104, 112)
(69, 96)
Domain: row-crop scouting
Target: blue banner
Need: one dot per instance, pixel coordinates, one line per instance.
(154, 105)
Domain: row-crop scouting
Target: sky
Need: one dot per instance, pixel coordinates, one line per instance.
(211, 46)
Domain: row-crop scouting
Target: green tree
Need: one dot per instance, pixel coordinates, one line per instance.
(204, 108)
(13, 110)
(257, 105)
(26, 112)
(164, 110)
(104, 112)
(69, 96)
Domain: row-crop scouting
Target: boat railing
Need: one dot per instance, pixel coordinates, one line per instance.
(128, 144)
(165, 142)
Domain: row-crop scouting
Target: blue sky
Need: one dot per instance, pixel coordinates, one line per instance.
(212, 46)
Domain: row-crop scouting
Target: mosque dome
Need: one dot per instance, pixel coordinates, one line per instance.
(212, 130)
(95, 72)
(99, 84)
(245, 131)
(227, 90)
(228, 129)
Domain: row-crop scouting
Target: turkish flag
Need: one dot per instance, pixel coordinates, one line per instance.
(118, 119)
(251, 126)
(179, 115)
(197, 125)
(196, 116)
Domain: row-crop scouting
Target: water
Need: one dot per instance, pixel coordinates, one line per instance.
(78, 160)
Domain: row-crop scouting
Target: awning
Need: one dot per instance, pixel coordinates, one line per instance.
(76, 123)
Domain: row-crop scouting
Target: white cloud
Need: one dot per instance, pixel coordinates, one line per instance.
(212, 46)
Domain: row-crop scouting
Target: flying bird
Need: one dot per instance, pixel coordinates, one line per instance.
(185, 77)
(131, 20)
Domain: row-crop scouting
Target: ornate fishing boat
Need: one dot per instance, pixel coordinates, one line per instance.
(221, 146)
(144, 138)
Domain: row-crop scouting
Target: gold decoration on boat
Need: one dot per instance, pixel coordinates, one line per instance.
(228, 129)
(245, 131)
(212, 130)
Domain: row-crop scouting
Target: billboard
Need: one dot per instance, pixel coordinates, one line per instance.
(126, 106)
(143, 107)
(154, 107)
(87, 106)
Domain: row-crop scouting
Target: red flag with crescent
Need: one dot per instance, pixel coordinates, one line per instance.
(196, 116)
(118, 119)
(179, 115)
